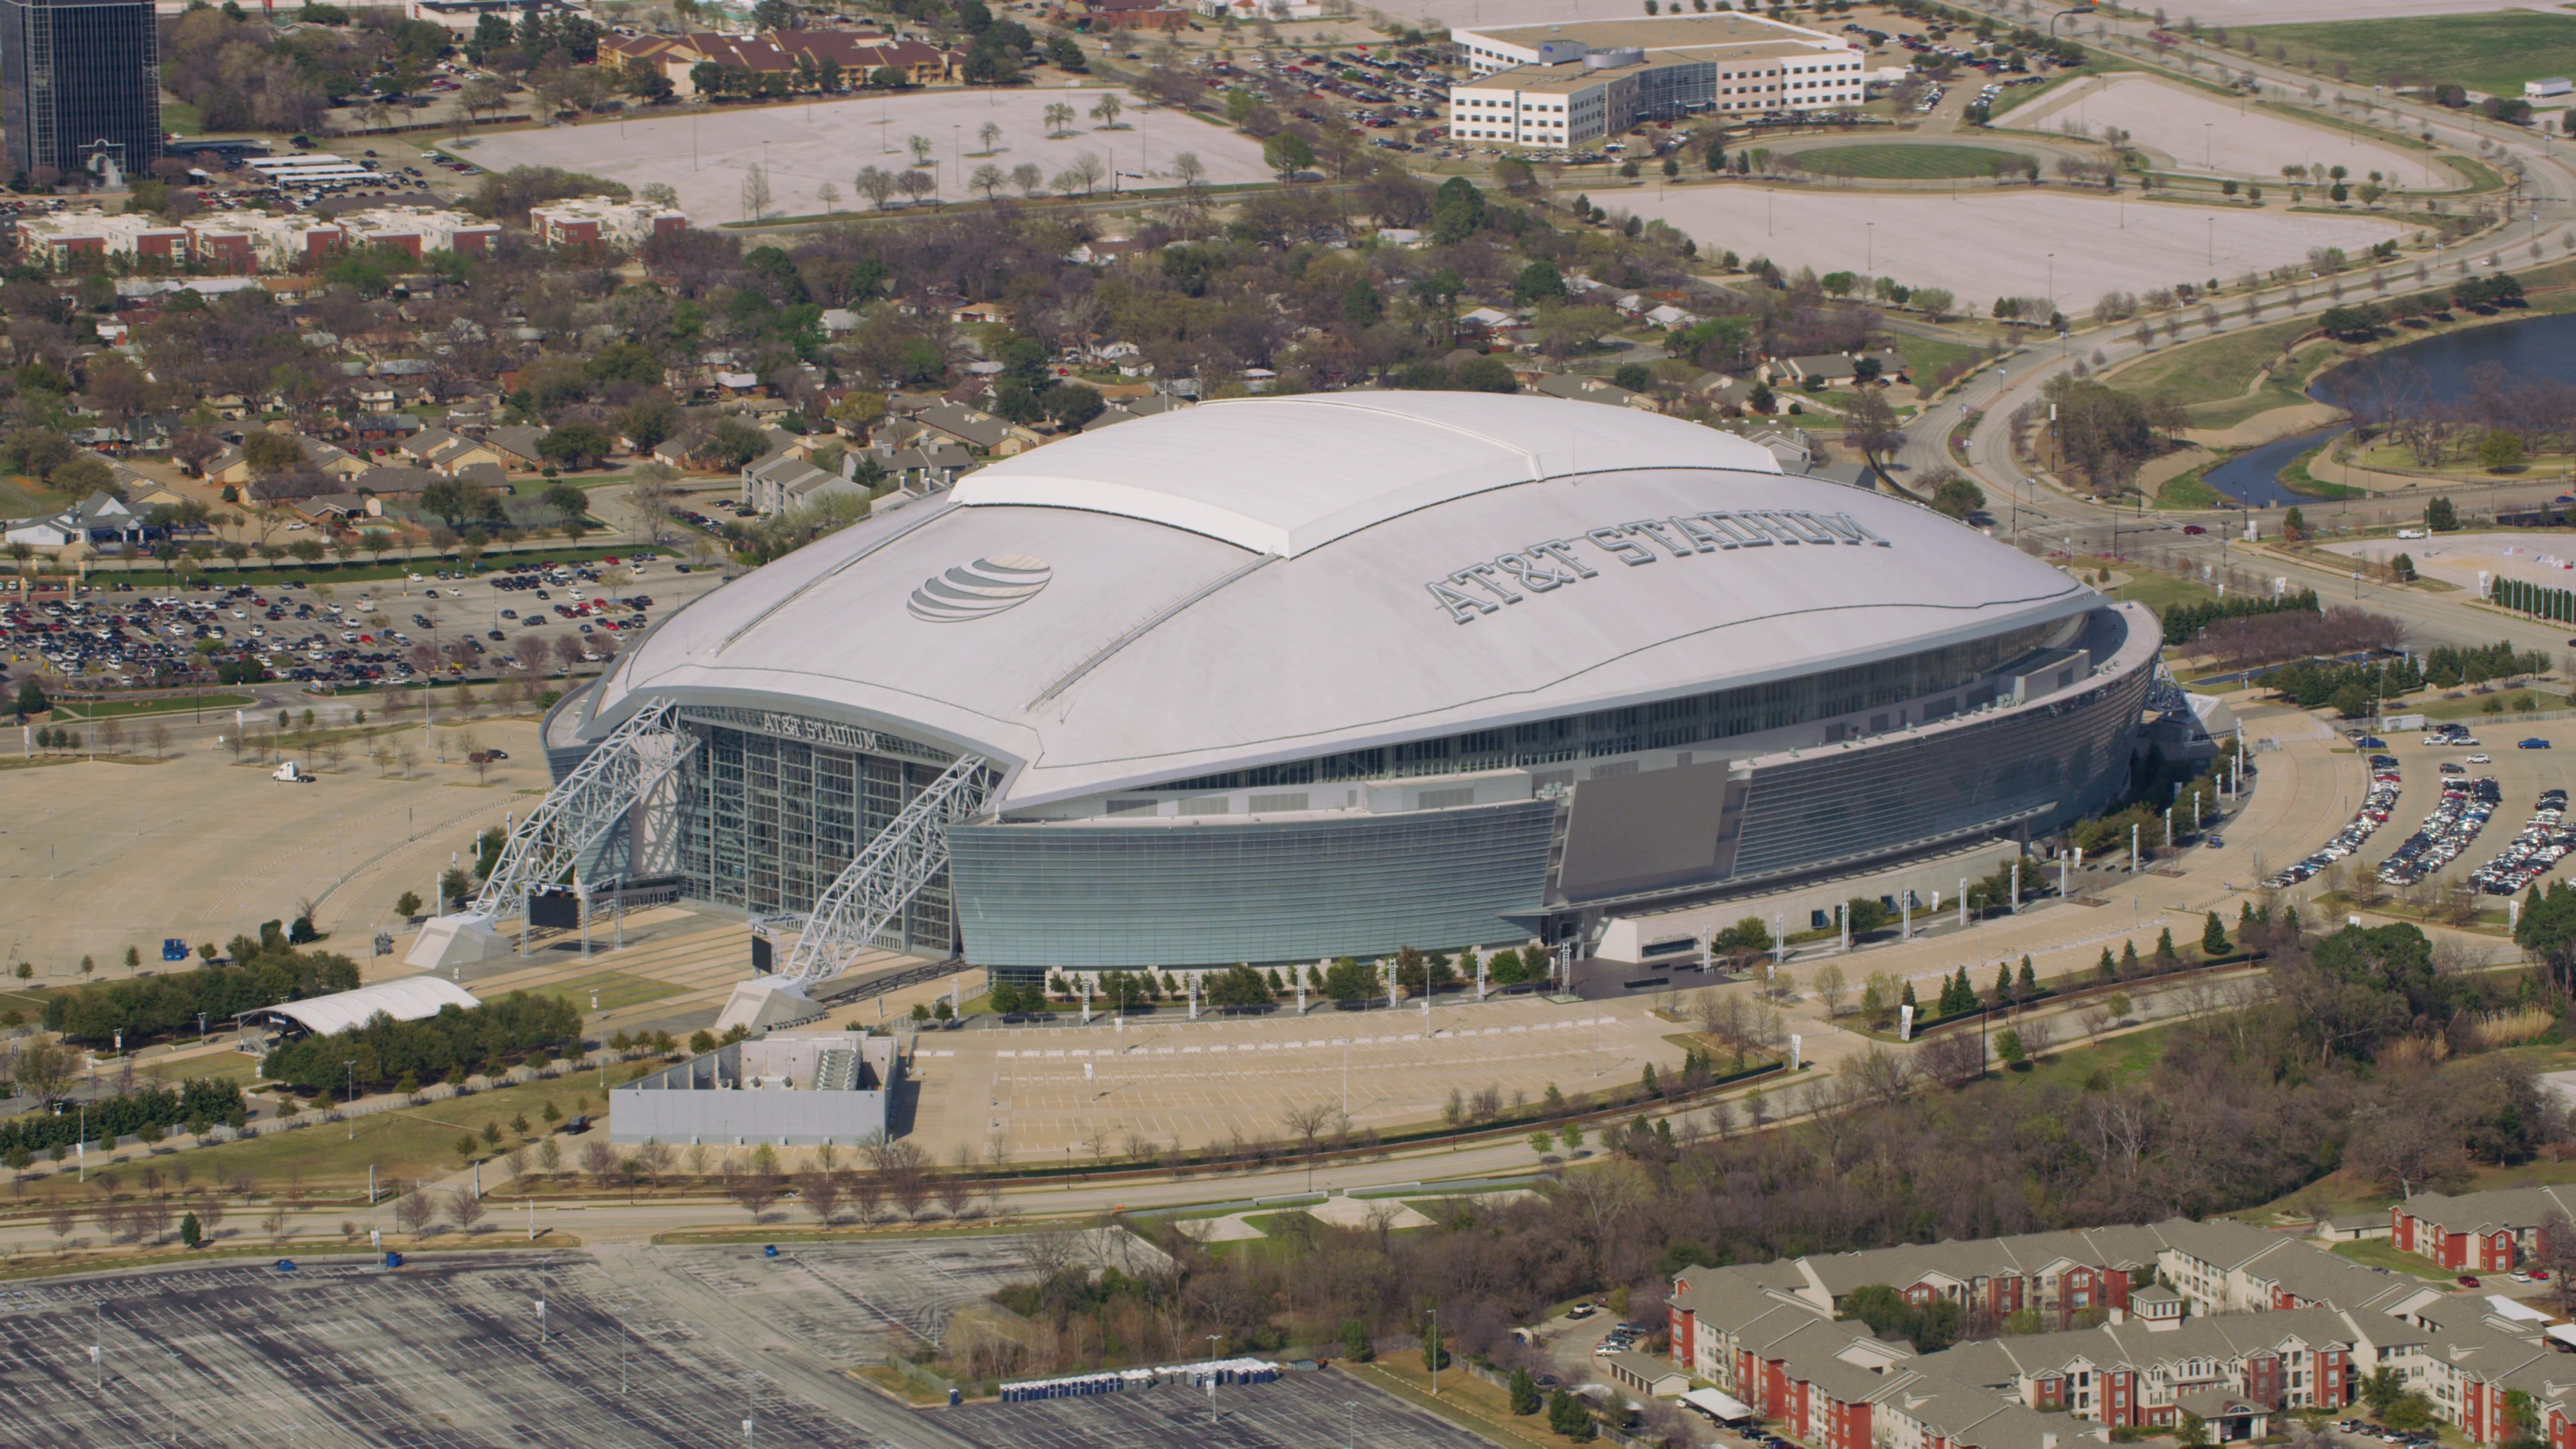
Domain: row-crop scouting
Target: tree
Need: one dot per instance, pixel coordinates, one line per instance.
(2213, 937)
(755, 192)
(1830, 988)
(2500, 450)
(1870, 425)
(1288, 153)
(1524, 1392)
(1567, 1416)
(2441, 516)
(1538, 282)
(1106, 112)
(191, 1232)
(1954, 496)
(2191, 1431)
(989, 180)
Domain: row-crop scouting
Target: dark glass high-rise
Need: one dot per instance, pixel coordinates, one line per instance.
(80, 85)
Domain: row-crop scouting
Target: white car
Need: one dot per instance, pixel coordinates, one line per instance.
(2479, 760)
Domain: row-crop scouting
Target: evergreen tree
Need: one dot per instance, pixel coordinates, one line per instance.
(1906, 998)
(1524, 1392)
(2003, 986)
(1567, 1416)
(2213, 937)
(2029, 981)
(2166, 957)
(2109, 968)
(2128, 958)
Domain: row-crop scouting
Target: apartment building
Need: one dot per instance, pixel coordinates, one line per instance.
(1571, 85)
(2480, 1232)
(257, 241)
(2140, 1325)
(601, 221)
(76, 238)
(419, 230)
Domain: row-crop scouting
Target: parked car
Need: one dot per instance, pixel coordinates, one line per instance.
(2468, 1282)
(2534, 743)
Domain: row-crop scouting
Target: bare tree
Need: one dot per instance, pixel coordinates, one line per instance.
(414, 1213)
(465, 1209)
(820, 1192)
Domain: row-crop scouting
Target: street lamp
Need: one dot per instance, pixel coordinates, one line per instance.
(1350, 1407)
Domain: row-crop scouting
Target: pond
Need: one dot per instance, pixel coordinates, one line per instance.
(2528, 348)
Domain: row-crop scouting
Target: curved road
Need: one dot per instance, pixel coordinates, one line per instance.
(2544, 201)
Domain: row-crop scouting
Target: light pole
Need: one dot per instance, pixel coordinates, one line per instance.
(98, 1345)
(1350, 1408)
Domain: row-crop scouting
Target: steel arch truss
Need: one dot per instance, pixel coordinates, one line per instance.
(625, 768)
(902, 858)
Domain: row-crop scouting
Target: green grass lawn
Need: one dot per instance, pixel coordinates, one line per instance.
(2191, 490)
(2159, 591)
(2219, 369)
(1926, 356)
(410, 1142)
(2474, 706)
(616, 989)
(180, 118)
(22, 497)
(1908, 163)
(2494, 52)
(2380, 1253)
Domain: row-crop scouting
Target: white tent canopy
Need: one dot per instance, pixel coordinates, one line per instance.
(413, 998)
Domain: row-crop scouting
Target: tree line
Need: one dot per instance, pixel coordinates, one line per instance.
(194, 1106)
(147, 1008)
(456, 1043)
(2322, 1063)
(2183, 621)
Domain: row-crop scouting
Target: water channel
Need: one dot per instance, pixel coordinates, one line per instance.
(2529, 347)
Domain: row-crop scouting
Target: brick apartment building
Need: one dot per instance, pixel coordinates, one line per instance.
(2136, 1327)
(2480, 1232)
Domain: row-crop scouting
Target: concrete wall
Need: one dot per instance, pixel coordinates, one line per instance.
(705, 1099)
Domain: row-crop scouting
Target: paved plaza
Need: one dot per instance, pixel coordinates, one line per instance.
(1052, 1093)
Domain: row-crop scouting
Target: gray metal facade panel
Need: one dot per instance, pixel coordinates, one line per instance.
(1838, 804)
(1036, 897)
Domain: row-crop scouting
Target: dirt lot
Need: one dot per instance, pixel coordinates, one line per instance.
(2203, 133)
(1985, 243)
(705, 157)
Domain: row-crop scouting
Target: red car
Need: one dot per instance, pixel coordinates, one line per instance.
(2468, 1282)
(2193, 528)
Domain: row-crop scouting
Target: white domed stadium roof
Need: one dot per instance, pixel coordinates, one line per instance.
(1272, 579)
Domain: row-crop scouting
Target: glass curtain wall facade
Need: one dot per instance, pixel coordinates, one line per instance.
(1666, 724)
(75, 75)
(770, 816)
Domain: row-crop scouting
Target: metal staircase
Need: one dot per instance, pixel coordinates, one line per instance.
(838, 1071)
(871, 894)
(579, 812)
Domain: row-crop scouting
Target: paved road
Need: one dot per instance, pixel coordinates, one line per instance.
(2019, 502)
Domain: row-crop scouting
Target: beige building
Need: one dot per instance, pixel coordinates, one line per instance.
(1566, 86)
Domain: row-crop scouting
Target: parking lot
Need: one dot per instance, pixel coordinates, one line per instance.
(449, 1353)
(638, 1347)
(316, 631)
(1300, 1411)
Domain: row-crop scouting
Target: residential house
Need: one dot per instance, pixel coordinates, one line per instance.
(981, 431)
(1579, 387)
(516, 445)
